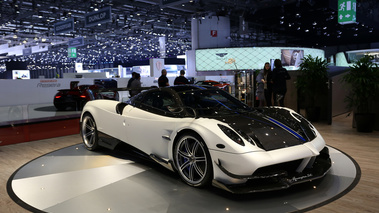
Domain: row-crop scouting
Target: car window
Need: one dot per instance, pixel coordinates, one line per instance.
(212, 102)
(159, 102)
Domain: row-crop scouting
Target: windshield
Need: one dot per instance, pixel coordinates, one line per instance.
(212, 102)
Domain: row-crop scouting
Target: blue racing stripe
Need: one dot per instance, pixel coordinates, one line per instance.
(288, 129)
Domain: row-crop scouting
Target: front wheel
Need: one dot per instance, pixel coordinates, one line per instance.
(193, 161)
(88, 132)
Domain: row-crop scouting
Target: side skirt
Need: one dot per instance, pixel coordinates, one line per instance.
(164, 162)
(107, 141)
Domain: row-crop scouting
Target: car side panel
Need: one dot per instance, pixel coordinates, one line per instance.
(106, 118)
(150, 132)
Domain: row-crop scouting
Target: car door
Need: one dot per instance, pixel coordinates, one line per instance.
(150, 124)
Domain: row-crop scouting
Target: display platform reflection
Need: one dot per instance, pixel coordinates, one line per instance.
(24, 123)
(32, 113)
(74, 179)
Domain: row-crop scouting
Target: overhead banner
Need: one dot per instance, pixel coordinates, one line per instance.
(166, 3)
(76, 42)
(64, 26)
(162, 47)
(347, 11)
(98, 17)
(27, 51)
(72, 52)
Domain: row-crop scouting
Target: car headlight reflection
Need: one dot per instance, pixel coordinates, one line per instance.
(231, 134)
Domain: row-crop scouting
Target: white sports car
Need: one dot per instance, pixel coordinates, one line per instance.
(207, 136)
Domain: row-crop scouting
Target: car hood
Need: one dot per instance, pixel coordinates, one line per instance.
(271, 128)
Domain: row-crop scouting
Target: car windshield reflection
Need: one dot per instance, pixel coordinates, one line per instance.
(212, 102)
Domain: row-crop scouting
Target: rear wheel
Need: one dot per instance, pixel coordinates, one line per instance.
(193, 161)
(89, 134)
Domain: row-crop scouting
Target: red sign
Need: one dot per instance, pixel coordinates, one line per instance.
(214, 33)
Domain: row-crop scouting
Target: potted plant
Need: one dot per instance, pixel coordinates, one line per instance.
(311, 84)
(363, 79)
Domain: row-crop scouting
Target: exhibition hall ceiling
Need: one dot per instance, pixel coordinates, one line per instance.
(135, 26)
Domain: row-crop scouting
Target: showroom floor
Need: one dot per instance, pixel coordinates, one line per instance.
(119, 180)
(362, 147)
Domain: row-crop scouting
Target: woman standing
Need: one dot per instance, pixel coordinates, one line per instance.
(264, 86)
(267, 73)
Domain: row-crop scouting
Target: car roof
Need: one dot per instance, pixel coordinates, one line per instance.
(181, 88)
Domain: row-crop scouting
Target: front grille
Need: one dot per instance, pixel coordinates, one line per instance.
(277, 169)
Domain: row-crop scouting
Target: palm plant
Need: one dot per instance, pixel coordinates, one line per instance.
(363, 79)
(311, 84)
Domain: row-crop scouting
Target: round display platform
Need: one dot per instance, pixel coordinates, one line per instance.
(74, 179)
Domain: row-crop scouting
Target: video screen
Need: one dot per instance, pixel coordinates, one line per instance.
(292, 57)
(20, 74)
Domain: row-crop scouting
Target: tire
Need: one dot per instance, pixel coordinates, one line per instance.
(88, 131)
(193, 161)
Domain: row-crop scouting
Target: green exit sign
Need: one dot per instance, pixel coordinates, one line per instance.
(347, 11)
(72, 52)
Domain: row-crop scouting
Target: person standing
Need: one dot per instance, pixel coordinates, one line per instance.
(267, 80)
(279, 78)
(260, 89)
(131, 79)
(163, 80)
(135, 85)
(181, 79)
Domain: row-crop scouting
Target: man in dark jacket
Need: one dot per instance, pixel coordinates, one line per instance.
(279, 78)
(181, 79)
(163, 80)
(131, 79)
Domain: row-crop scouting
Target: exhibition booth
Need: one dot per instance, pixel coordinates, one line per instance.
(125, 180)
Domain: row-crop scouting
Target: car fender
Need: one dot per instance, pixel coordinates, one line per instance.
(213, 136)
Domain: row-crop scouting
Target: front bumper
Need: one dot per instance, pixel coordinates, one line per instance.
(279, 176)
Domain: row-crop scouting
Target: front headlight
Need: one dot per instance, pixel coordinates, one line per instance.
(231, 134)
